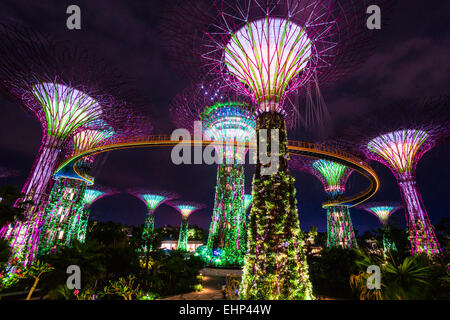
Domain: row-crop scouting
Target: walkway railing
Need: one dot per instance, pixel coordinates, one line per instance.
(299, 148)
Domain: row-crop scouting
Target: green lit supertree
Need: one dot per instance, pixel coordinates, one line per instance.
(383, 211)
(226, 119)
(66, 196)
(333, 177)
(78, 225)
(152, 199)
(185, 208)
(267, 49)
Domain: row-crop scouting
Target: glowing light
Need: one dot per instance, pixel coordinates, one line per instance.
(334, 175)
(383, 212)
(340, 228)
(88, 138)
(185, 210)
(266, 54)
(229, 122)
(65, 108)
(92, 195)
(247, 201)
(153, 200)
(399, 149)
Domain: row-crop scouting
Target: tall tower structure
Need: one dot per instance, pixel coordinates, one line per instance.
(383, 211)
(267, 50)
(152, 199)
(228, 120)
(399, 141)
(185, 209)
(333, 177)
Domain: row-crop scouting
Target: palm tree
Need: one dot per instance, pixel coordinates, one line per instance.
(410, 279)
(407, 279)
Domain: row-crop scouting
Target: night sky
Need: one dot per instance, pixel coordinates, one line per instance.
(411, 61)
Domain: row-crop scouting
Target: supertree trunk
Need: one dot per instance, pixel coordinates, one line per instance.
(37, 186)
(275, 265)
(227, 230)
(25, 235)
(82, 226)
(149, 228)
(388, 242)
(62, 214)
(183, 237)
(421, 234)
(340, 228)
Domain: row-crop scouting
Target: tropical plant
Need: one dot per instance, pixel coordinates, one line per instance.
(330, 270)
(232, 284)
(124, 287)
(35, 271)
(413, 277)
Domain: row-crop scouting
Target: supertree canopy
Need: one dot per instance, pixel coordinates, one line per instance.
(226, 118)
(399, 141)
(383, 210)
(333, 177)
(65, 88)
(185, 209)
(152, 199)
(247, 201)
(265, 50)
(91, 195)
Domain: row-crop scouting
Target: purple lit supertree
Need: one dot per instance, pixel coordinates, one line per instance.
(152, 199)
(225, 118)
(383, 210)
(185, 208)
(266, 49)
(64, 88)
(333, 177)
(398, 136)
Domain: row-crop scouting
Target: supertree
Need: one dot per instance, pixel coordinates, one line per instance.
(64, 88)
(398, 136)
(383, 210)
(333, 177)
(66, 196)
(185, 208)
(227, 119)
(67, 193)
(70, 220)
(265, 50)
(91, 195)
(152, 199)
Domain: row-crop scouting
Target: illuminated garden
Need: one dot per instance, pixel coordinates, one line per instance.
(228, 150)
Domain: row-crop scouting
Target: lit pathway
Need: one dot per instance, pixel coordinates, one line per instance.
(212, 290)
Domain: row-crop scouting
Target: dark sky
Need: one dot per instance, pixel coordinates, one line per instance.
(411, 60)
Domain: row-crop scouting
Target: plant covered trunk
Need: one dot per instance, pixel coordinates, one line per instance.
(421, 233)
(275, 265)
(183, 237)
(227, 231)
(340, 228)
